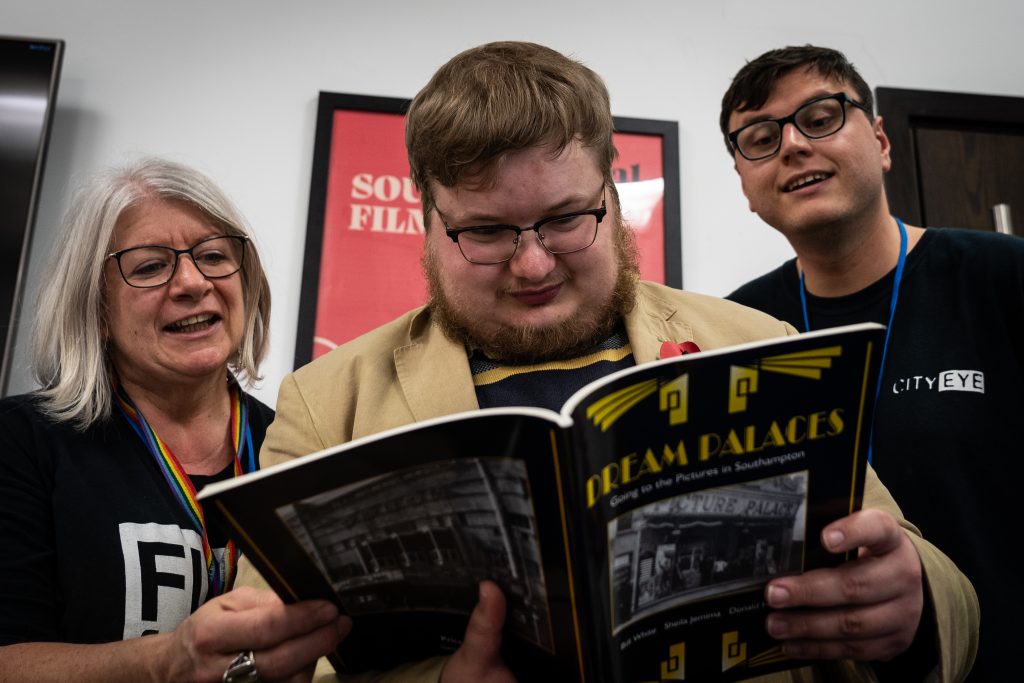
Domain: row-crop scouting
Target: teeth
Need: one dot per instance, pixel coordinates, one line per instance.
(191, 323)
(800, 182)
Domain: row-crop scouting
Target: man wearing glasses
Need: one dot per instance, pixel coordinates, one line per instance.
(811, 156)
(534, 291)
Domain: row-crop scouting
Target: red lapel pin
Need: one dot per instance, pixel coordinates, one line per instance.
(670, 349)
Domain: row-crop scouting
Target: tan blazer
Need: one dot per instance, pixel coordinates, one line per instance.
(407, 370)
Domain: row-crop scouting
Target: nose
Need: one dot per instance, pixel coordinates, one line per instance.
(793, 141)
(187, 280)
(531, 261)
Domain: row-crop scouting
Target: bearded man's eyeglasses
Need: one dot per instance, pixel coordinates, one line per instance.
(492, 244)
(153, 265)
(816, 119)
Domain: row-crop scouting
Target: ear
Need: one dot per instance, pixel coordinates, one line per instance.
(883, 141)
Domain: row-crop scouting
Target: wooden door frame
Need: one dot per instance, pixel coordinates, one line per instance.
(902, 110)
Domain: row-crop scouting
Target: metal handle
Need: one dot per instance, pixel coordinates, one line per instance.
(1002, 218)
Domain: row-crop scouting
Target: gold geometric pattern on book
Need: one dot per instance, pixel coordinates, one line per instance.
(674, 398)
(743, 381)
(769, 656)
(734, 651)
(674, 668)
(605, 411)
(806, 364)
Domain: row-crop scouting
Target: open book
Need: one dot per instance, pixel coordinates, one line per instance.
(632, 533)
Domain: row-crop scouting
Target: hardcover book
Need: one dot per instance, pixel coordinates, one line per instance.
(632, 533)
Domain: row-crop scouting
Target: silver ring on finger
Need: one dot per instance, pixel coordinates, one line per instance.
(242, 669)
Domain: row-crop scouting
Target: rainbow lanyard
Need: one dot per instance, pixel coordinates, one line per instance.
(897, 279)
(221, 578)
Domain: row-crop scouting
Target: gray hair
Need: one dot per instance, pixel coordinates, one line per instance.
(69, 350)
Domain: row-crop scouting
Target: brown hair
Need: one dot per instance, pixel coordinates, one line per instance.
(499, 98)
(752, 85)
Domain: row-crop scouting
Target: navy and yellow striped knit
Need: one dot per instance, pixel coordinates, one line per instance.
(549, 384)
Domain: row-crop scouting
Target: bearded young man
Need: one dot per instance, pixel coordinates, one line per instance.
(534, 292)
(811, 156)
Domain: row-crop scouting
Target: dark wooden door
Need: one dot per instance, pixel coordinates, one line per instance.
(958, 159)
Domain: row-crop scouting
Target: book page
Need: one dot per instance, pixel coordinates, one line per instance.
(400, 528)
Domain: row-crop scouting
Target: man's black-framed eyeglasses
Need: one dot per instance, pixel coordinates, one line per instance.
(816, 119)
(152, 265)
(493, 244)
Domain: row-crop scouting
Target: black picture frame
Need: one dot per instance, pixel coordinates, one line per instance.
(331, 102)
(327, 104)
(668, 131)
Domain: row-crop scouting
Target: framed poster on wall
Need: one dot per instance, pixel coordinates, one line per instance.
(364, 233)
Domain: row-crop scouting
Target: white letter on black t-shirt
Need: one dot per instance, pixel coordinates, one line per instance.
(165, 578)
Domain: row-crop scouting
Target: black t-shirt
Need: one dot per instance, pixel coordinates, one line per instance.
(93, 545)
(947, 440)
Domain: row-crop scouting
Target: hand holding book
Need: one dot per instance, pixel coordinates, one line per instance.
(813, 613)
(867, 609)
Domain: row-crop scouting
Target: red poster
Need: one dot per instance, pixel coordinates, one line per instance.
(365, 234)
(372, 233)
(640, 180)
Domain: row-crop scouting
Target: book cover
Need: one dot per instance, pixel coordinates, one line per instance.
(632, 533)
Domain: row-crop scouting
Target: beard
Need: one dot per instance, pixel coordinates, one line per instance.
(570, 338)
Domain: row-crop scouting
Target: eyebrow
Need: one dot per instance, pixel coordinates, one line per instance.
(168, 246)
(765, 117)
(553, 210)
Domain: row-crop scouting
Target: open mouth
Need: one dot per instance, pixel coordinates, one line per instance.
(804, 181)
(193, 323)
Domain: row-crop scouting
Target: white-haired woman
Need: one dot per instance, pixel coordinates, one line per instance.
(156, 302)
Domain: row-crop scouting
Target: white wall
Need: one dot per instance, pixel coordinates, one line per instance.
(230, 86)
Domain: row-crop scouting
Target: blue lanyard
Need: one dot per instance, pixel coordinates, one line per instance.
(897, 279)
